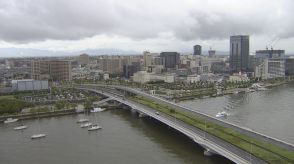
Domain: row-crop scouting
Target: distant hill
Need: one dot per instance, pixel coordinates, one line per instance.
(30, 52)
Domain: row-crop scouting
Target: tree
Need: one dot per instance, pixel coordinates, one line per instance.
(60, 105)
(88, 104)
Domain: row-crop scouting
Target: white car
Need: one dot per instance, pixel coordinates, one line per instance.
(157, 113)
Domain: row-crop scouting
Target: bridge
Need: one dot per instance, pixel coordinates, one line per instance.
(212, 144)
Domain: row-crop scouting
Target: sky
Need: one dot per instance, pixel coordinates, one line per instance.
(139, 25)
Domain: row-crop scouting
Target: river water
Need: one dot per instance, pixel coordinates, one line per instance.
(124, 138)
(270, 112)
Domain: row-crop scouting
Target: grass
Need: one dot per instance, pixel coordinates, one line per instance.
(261, 149)
(7, 97)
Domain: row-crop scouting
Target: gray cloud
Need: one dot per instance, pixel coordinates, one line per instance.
(38, 20)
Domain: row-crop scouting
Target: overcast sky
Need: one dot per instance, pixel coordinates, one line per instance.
(154, 25)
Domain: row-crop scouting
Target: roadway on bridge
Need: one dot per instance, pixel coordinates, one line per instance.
(208, 141)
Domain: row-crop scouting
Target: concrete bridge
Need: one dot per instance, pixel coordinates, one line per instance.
(212, 144)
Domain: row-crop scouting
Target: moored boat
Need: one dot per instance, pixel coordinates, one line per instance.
(86, 125)
(20, 127)
(94, 127)
(10, 120)
(36, 136)
(83, 120)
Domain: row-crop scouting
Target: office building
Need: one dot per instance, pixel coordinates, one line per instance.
(29, 85)
(56, 70)
(129, 70)
(170, 60)
(289, 66)
(147, 57)
(211, 53)
(271, 68)
(239, 53)
(84, 59)
(197, 50)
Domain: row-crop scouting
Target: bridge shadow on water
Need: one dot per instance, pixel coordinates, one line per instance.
(168, 138)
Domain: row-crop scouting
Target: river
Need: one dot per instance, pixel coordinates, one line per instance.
(270, 112)
(124, 138)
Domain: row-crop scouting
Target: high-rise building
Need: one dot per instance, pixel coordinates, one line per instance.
(197, 50)
(147, 58)
(211, 53)
(84, 59)
(239, 53)
(170, 59)
(261, 55)
(57, 70)
(129, 70)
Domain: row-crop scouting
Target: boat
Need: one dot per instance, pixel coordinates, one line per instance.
(94, 127)
(10, 120)
(221, 114)
(258, 87)
(36, 136)
(97, 110)
(86, 125)
(83, 120)
(20, 127)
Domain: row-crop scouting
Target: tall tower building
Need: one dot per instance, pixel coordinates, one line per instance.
(239, 53)
(147, 58)
(197, 50)
(170, 59)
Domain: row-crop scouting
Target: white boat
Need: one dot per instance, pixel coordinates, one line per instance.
(20, 127)
(221, 114)
(36, 136)
(94, 127)
(97, 110)
(10, 120)
(262, 89)
(83, 120)
(86, 125)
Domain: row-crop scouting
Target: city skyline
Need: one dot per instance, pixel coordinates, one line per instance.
(59, 26)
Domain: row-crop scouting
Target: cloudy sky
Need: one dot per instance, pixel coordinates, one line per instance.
(154, 25)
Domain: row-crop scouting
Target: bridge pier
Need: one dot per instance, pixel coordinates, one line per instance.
(141, 115)
(208, 152)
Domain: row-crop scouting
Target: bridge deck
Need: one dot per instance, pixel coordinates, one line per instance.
(209, 142)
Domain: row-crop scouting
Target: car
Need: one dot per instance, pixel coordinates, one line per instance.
(157, 113)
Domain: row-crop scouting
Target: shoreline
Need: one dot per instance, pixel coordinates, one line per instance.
(45, 114)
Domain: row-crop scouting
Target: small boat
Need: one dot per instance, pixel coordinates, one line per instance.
(94, 127)
(221, 114)
(10, 120)
(97, 110)
(83, 120)
(36, 136)
(262, 89)
(86, 125)
(20, 127)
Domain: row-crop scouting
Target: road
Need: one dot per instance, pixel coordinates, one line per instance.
(208, 141)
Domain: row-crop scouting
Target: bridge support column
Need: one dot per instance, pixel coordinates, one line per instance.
(141, 115)
(208, 152)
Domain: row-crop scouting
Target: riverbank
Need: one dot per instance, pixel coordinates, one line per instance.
(269, 152)
(39, 115)
(36, 115)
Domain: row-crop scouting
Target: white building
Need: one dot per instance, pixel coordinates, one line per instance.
(271, 68)
(29, 85)
(238, 78)
(106, 76)
(193, 78)
(144, 77)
